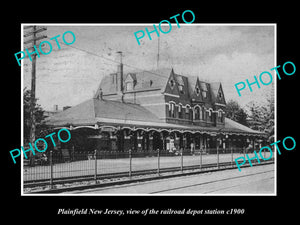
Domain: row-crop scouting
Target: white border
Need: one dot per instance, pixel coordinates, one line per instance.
(151, 24)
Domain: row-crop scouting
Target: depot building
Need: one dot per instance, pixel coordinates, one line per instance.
(149, 110)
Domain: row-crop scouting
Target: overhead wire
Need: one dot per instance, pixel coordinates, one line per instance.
(114, 61)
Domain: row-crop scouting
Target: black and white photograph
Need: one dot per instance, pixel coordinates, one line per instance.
(117, 114)
(138, 112)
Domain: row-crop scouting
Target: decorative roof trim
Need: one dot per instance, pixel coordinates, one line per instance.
(171, 95)
(220, 104)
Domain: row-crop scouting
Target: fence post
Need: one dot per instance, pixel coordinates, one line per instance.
(181, 164)
(218, 156)
(201, 158)
(95, 176)
(130, 163)
(51, 170)
(231, 149)
(158, 162)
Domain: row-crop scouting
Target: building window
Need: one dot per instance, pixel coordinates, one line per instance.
(197, 113)
(180, 111)
(222, 117)
(220, 96)
(201, 113)
(187, 112)
(172, 110)
(220, 113)
(181, 89)
(172, 83)
(211, 115)
(129, 86)
(204, 89)
(197, 91)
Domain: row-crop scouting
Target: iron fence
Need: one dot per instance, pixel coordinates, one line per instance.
(101, 164)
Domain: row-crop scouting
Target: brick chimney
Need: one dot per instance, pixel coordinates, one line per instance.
(119, 84)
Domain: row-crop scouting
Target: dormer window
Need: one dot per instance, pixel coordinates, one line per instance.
(197, 91)
(181, 89)
(204, 89)
(220, 96)
(172, 83)
(129, 86)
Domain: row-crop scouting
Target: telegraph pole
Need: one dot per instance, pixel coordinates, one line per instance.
(157, 53)
(34, 40)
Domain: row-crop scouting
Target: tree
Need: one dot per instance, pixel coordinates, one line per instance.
(261, 117)
(39, 116)
(236, 113)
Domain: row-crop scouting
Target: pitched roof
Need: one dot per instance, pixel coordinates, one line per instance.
(214, 89)
(158, 79)
(192, 84)
(89, 112)
(144, 80)
(237, 127)
(115, 112)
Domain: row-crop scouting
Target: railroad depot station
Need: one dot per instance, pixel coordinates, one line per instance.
(150, 110)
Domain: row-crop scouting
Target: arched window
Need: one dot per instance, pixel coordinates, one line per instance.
(187, 112)
(172, 110)
(201, 113)
(197, 113)
(221, 115)
(180, 111)
(210, 115)
(204, 113)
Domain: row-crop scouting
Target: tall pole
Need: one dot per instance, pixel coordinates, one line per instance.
(33, 85)
(157, 52)
(32, 97)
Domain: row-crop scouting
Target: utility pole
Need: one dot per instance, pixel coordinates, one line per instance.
(32, 33)
(157, 53)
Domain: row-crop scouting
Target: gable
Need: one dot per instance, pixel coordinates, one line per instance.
(172, 85)
(205, 91)
(194, 89)
(220, 96)
(217, 93)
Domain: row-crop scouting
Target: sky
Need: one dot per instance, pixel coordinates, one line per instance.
(213, 52)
